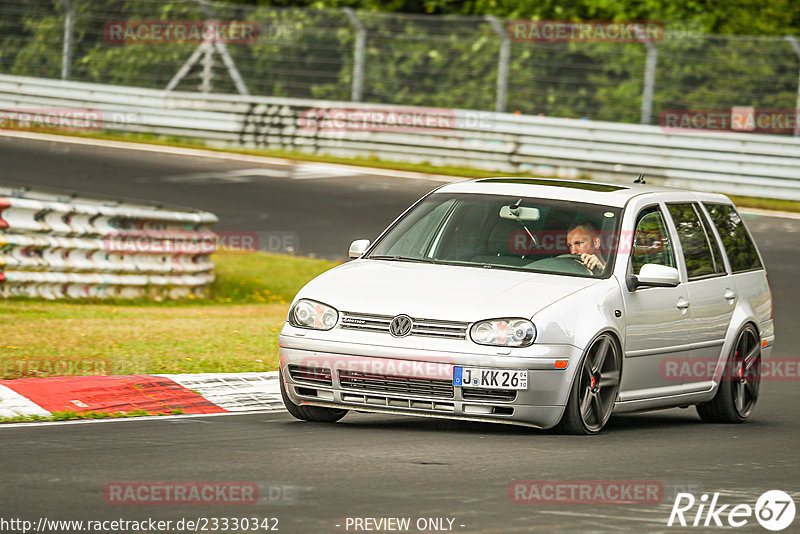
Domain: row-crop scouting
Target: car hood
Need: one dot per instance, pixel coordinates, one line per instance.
(443, 292)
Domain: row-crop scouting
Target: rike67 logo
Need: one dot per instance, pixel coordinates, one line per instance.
(774, 510)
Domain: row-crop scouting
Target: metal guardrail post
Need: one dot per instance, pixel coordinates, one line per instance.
(796, 47)
(206, 50)
(186, 67)
(649, 82)
(208, 70)
(502, 63)
(359, 54)
(69, 27)
(238, 81)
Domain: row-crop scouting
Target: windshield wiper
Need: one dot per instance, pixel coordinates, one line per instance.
(400, 258)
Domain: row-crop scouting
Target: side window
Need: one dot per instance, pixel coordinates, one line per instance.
(651, 242)
(738, 244)
(697, 250)
(716, 251)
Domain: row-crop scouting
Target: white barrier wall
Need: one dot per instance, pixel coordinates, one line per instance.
(759, 165)
(79, 247)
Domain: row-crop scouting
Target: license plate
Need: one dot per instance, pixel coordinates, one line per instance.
(476, 377)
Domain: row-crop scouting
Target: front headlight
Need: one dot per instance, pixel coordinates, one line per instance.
(503, 332)
(312, 314)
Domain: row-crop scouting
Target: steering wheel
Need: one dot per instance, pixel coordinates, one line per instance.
(565, 264)
(577, 258)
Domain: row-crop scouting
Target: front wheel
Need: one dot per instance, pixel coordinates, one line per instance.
(316, 414)
(738, 388)
(594, 389)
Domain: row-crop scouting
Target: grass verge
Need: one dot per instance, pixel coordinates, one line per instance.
(774, 204)
(466, 172)
(69, 416)
(234, 330)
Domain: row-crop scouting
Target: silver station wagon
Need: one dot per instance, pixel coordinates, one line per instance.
(539, 302)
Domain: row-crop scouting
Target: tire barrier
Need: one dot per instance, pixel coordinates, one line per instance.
(55, 247)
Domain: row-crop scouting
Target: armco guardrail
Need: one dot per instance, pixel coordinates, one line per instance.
(735, 163)
(54, 246)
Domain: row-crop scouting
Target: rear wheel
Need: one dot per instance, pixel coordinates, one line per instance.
(316, 414)
(741, 380)
(594, 389)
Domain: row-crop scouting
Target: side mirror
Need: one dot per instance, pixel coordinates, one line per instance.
(652, 275)
(358, 248)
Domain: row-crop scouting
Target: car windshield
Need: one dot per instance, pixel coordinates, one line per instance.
(509, 232)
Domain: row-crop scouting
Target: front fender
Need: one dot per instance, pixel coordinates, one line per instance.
(578, 318)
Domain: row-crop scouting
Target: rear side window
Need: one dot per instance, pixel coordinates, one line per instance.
(697, 248)
(741, 250)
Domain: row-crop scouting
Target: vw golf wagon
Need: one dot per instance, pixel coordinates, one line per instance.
(538, 302)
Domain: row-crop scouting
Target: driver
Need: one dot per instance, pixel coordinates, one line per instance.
(583, 239)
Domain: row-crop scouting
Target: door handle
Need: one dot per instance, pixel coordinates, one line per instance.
(730, 295)
(682, 303)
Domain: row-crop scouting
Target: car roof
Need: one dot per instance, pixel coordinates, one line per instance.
(593, 192)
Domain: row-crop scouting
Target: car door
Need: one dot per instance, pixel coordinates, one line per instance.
(711, 292)
(658, 320)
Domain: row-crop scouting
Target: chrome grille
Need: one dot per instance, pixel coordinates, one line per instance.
(402, 385)
(422, 327)
(502, 395)
(311, 375)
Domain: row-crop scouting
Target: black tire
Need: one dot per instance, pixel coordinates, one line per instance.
(594, 389)
(738, 390)
(315, 414)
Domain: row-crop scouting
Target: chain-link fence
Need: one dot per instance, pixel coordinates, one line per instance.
(454, 62)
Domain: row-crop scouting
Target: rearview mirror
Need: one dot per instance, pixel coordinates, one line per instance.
(519, 213)
(653, 275)
(358, 248)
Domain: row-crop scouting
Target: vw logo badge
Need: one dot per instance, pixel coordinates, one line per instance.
(401, 326)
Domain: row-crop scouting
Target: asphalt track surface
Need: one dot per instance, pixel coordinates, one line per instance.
(369, 465)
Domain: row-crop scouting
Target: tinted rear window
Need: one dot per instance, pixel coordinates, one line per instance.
(697, 251)
(740, 247)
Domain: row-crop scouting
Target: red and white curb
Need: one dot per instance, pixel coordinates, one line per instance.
(206, 393)
(235, 392)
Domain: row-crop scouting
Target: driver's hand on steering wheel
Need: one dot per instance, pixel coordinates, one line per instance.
(592, 262)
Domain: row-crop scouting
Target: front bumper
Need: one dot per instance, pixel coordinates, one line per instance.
(412, 381)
